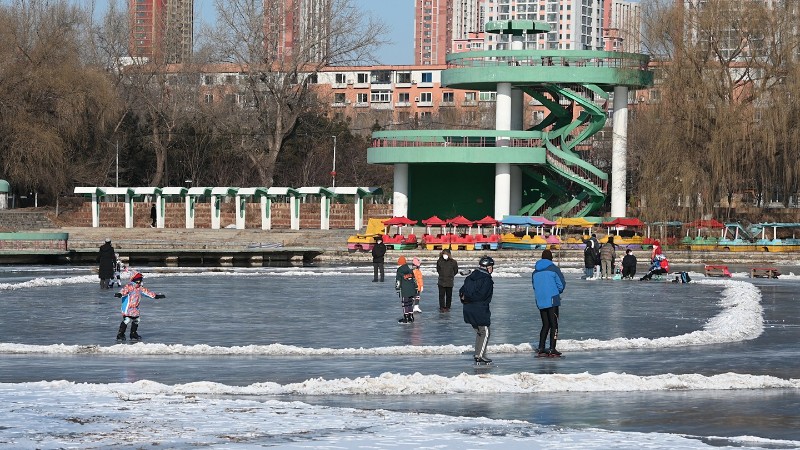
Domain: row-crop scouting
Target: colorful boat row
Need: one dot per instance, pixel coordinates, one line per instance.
(512, 232)
(530, 233)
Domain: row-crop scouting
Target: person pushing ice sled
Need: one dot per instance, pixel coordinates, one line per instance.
(131, 295)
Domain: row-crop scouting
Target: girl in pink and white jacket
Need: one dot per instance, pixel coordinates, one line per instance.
(131, 295)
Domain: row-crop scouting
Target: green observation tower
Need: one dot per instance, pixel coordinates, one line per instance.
(511, 170)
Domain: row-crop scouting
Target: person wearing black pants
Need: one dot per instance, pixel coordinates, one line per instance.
(378, 252)
(447, 268)
(548, 284)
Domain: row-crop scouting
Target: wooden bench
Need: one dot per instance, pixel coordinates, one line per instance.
(764, 272)
(717, 271)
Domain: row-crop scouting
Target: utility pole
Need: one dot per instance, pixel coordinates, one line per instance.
(333, 172)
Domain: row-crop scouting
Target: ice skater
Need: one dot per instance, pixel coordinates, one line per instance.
(119, 267)
(406, 287)
(131, 295)
(548, 285)
(475, 295)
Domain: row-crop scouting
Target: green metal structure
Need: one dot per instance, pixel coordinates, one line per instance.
(571, 84)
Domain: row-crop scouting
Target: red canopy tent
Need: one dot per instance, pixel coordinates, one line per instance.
(624, 222)
(488, 220)
(434, 221)
(400, 221)
(460, 221)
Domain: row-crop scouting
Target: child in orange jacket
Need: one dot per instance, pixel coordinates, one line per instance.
(418, 277)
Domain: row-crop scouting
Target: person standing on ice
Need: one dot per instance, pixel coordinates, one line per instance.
(378, 252)
(106, 261)
(548, 284)
(447, 268)
(131, 295)
(420, 283)
(406, 286)
(475, 295)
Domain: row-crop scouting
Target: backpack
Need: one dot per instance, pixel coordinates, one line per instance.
(685, 277)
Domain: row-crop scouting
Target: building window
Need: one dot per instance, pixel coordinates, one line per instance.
(340, 78)
(208, 80)
(339, 97)
(448, 97)
(404, 97)
(209, 98)
(427, 77)
(404, 77)
(469, 97)
(361, 97)
(362, 78)
(488, 96)
(425, 97)
(381, 97)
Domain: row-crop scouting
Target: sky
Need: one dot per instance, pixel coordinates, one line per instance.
(397, 14)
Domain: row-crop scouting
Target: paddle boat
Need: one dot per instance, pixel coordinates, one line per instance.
(461, 237)
(703, 239)
(486, 241)
(516, 238)
(438, 241)
(784, 237)
(736, 239)
(365, 242)
(398, 241)
(627, 232)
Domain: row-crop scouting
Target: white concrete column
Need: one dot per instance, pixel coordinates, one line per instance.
(215, 219)
(400, 196)
(502, 177)
(517, 96)
(128, 211)
(266, 213)
(95, 212)
(359, 212)
(324, 213)
(294, 207)
(241, 211)
(160, 207)
(190, 202)
(619, 150)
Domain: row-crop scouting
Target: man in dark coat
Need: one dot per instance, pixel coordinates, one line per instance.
(107, 261)
(476, 294)
(378, 251)
(153, 216)
(447, 268)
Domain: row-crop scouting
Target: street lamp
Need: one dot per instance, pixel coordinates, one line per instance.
(117, 146)
(333, 172)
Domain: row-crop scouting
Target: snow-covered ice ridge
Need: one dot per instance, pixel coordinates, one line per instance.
(146, 414)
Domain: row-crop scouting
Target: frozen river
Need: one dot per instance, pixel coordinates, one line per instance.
(713, 363)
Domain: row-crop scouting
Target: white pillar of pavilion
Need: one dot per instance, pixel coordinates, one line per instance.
(191, 202)
(128, 193)
(400, 196)
(217, 194)
(324, 204)
(619, 149)
(95, 193)
(241, 205)
(171, 192)
(502, 177)
(294, 204)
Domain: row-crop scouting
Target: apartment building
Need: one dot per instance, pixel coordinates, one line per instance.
(297, 28)
(622, 31)
(161, 30)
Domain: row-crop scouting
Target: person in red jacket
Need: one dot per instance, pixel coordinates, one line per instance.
(131, 295)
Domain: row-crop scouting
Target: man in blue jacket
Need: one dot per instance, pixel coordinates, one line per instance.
(548, 284)
(476, 294)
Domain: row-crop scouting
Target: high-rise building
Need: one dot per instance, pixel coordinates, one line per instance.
(574, 24)
(622, 26)
(297, 29)
(439, 23)
(161, 30)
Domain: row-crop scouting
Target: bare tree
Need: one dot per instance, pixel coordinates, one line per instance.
(280, 64)
(721, 68)
(53, 107)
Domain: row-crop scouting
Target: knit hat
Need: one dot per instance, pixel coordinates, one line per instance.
(415, 261)
(401, 260)
(137, 277)
(547, 254)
